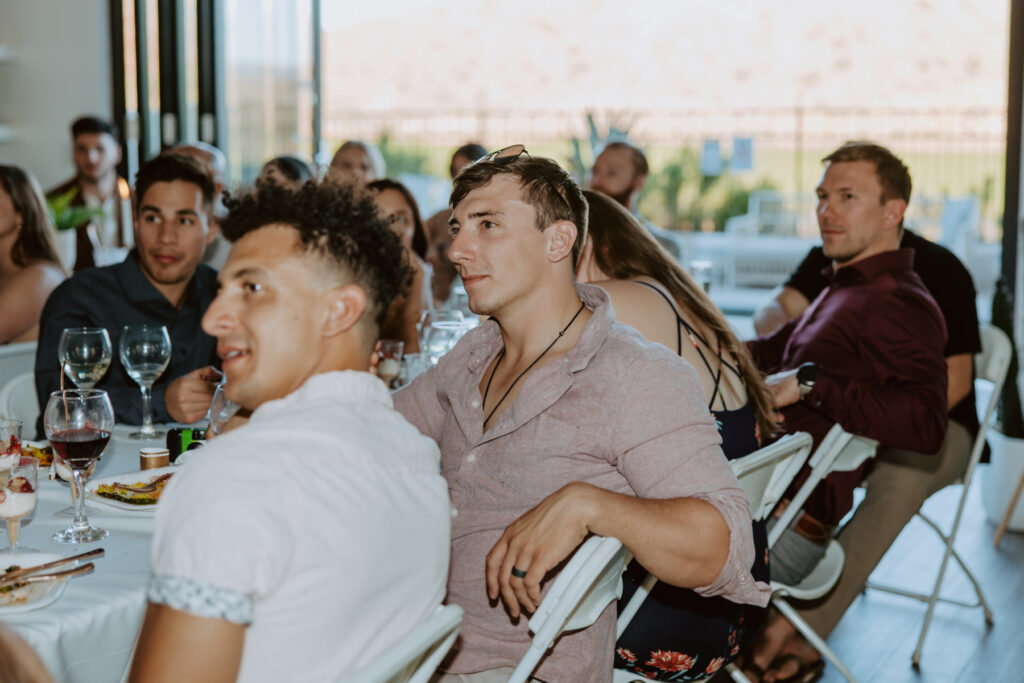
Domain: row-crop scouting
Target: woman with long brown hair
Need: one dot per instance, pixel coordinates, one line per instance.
(676, 629)
(29, 266)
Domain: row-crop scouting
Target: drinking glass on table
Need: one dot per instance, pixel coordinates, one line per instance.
(221, 410)
(85, 354)
(145, 353)
(429, 317)
(442, 336)
(10, 446)
(78, 424)
(18, 498)
(390, 359)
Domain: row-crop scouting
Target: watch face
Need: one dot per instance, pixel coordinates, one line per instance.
(807, 373)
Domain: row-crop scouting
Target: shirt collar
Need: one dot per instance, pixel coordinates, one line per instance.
(337, 387)
(873, 266)
(483, 342)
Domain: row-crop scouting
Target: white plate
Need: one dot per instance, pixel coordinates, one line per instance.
(129, 478)
(34, 595)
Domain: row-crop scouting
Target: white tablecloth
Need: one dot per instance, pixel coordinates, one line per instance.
(89, 634)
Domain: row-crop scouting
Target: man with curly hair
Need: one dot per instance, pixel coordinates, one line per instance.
(316, 535)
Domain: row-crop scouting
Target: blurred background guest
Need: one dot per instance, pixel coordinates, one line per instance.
(104, 238)
(29, 265)
(437, 229)
(286, 171)
(396, 204)
(358, 160)
(652, 293)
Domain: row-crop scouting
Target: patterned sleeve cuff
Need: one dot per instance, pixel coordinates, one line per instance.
(200, 599)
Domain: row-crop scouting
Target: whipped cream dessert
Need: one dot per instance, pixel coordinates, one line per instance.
(16, 505)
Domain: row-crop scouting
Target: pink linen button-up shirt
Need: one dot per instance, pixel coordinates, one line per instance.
(617, 412)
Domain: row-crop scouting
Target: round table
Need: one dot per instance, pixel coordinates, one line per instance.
(89, 633)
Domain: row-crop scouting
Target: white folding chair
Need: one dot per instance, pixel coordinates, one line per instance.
(591, 579)
(414, 658)
(990, 366)
(764, 476)
(18, 401)
(839, 451)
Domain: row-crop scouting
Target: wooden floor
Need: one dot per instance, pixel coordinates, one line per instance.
(878, 634)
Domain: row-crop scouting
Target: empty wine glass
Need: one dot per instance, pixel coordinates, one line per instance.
(85, 353)
(145, 353)
(221, 410)
(429, 317)
(78, 424)
(18, 498)
(442, 336)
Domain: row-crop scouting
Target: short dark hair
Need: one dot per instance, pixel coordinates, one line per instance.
(292, 168)
(640, 165)
(893, 174)
(547, 187)
(471, 150)
(167, 168)
(93, 124)
(336, 221)
(419, 235)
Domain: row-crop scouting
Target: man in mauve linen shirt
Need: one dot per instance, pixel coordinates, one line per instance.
(867, 353)
(306, 543)
(555, 422)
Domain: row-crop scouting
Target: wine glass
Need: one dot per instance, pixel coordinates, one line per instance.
(442, 336)
(18, 498)
(145, 353)
(85, 354)
(390, 354)
(221, 410)
(429, 317)
(78, 423)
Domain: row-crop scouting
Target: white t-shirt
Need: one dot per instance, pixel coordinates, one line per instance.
(323, 525)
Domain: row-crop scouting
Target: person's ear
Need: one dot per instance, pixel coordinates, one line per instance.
(638, 182)
(212, 228)
(561, 240)
(893, 211)
(345, 307)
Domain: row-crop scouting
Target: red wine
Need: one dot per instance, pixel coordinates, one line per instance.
(79, 447)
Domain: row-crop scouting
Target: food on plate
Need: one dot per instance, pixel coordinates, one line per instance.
(44, 454)
(13, 586)
(140, 493)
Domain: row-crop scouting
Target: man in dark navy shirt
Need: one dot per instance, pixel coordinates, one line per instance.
(877, 337)
(161, 282)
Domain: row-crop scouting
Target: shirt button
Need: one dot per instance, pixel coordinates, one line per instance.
(455, 513)
(474, 404)
(471, 457)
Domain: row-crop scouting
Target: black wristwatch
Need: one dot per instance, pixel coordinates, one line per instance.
(805, 376)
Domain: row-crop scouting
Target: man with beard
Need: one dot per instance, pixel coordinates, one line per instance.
(161, 282)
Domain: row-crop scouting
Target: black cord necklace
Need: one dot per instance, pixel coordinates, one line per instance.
(528, 367)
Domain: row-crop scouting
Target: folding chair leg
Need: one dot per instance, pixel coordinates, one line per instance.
(977, 588)
(813, 638)
(1005, 521)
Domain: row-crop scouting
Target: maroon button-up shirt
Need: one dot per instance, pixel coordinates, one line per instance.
(878, 338)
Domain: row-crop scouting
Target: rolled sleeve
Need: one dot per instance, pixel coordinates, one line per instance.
(684, 459)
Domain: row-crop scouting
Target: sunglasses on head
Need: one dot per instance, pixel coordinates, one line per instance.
(506, 155)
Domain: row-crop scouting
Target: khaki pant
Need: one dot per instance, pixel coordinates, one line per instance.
(895, 490)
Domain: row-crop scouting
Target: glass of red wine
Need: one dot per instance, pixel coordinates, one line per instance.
(78, 424)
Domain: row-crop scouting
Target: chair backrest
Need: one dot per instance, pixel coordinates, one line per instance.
(766, 473)
(18, 401)
(839, 451)
(591, 579)
(16, 359)
(414, 658)
(990, 365)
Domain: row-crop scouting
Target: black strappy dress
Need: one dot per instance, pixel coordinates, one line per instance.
(679, 635)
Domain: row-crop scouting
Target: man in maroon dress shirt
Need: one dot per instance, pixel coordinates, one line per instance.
(867, 353)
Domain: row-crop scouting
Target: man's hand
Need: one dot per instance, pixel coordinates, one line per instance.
(536, 543)
(188, 397)
(784, 388)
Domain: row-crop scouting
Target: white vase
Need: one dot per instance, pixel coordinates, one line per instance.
(999, 479)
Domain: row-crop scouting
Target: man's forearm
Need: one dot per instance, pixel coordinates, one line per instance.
(682, 541)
